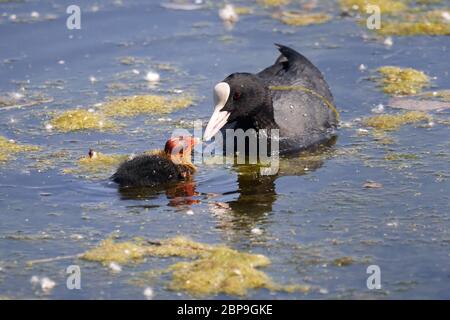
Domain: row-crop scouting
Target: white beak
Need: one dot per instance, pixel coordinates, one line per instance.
(219, 118)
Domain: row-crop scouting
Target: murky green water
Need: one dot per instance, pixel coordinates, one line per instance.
(316, 210)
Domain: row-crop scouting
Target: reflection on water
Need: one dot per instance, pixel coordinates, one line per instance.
(179, 193)
(256, 193)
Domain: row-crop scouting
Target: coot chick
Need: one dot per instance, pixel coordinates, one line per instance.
(159, 167)
(291, 95)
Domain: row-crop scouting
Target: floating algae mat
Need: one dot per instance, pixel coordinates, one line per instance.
(132, 251)
(110, 251)
(223, 270)
(400, 156)
(78, 119)
(433, 22)
(136, 105)
(243, 10)
(415, 28)
(97, 163)
(9, 147)
(403, 17)
(214, 270)
(399, 81)
(294, 18)
(395, 121)
(386, 6)
(273, 3)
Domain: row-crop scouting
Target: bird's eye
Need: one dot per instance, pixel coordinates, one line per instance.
(236, 95)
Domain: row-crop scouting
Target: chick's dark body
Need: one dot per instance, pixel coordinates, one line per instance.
(150, 170)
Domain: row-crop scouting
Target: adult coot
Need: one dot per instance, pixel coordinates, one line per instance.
(158, 167)
(291, 95)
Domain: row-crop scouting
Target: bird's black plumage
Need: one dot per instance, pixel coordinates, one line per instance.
(150, 170)
(291, 95)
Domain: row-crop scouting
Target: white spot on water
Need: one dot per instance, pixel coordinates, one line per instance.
(228, 14)
(362, 131)
(76, 236)
(152, 76)
(115, 267)
(148, 293)
(345, 124)
(47, 284)
(388, 42)
(34, 280)
(17, 95)
(393, 224)
(323, 291)
(257, 231)
(378, 108)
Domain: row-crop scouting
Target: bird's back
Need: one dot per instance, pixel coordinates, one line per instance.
(302, 101)
(146, 170)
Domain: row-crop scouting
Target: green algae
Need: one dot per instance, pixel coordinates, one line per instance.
(386, 6)
(417, 22)
(403, 17)
(294, 18)
(415, 28)
(428, 2)
(390, 122)
(309, 91)
(78, 119)
(343, 261)
(97, 164)
(130, 251)
(382, 138)
(243, 10)
(9, 147)
(224, 270)
(120, 252)
(213, 270)
(136, 105)
(400, 156)
(399, 81)
(273, 3)
(49, 160)
(129, 60)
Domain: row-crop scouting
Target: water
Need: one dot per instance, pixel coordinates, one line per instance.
(309, 217)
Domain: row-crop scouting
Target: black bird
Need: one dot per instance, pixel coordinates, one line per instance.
(158, 167)
(291, 95)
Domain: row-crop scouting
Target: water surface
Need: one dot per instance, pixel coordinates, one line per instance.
(308, 217)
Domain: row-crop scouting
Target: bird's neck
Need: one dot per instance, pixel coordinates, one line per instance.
(180, 160)
(264, 118)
